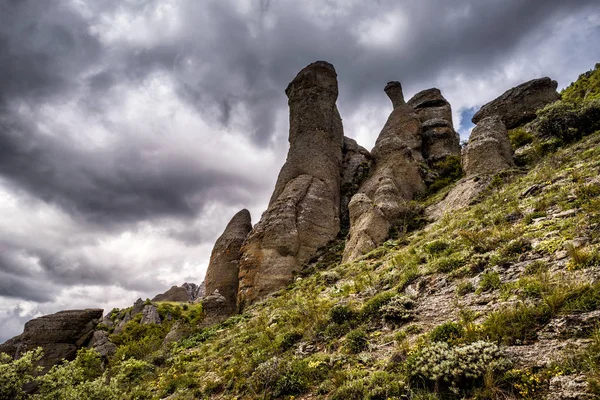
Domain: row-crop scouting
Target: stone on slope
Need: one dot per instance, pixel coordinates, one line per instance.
(355, 168)
(463, 194)
(489, 150)
(518, 105)
(304, 211)
(395, 178)
(439, 138)
(102, 345)
(150, 315)
(60, 335)
(223, 268)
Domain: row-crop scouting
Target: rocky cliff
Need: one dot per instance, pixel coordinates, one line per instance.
(494, 294)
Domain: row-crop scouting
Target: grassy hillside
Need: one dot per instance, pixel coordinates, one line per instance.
(497, 300)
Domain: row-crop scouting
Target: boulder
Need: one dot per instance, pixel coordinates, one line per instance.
(463, 194)
(216, 309)
(518, 105)
(488, 151)
(101, 344)
(396, 177)
(223, 268)
(60, 335)
(439, 137)
(150, 315)
(355, 168)
(304, 211)
(138, 306)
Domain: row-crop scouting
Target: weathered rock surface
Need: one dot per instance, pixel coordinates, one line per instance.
(569, 387)
(394, 91)
(395, 179)
(304, 211)
(137, 308)
(60, 335)
(355, 168)
(194, 291)
(439, 137)
(176, 293)
(223, 268)
(461, 195)
(183, 293)
(489, 151)
(101, 344)
(150, 315)
(216, 309)
(518, 105)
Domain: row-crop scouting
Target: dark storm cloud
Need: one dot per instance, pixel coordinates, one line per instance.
(229, 62)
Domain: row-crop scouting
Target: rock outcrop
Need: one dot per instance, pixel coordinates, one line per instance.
(355, 168)
(101, 344)
(303, 213)
(223, 268)
(395, 178)
(518, 105)
(440, 140)
(183, 293)
(489, 151)
(176, 293)
(60, 335)
(150, 315)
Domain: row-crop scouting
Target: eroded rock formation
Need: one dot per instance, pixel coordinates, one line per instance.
(439, 137)
(518, 105)
(355, 168)
(395, 178)
(489, 151)
(303, 214)
(223, 268)
(183, 293)
(60, 335)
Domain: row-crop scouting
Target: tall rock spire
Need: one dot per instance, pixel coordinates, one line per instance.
(395, 178)
(439, 138)
(223, 268)
(304, 210)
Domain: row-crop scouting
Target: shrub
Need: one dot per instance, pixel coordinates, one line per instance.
(447, 332)
(464, 287)
(519, 137)
(582, 258)
(354, 389)
(371, 309)
(341, 314)
(81, 378)
(447, 170)
(357, 340)
(516, 247)
(456, 367)
(289, 339)
(515, 324)
(399, 309)
(436, 247)
(14, 374)
(489, 281)
(568, 121)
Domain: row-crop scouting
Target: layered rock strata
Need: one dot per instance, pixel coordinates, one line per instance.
(303, 213)
(489, 150)
(60, 335)
(439, 137)
(223, 268)
(395, 178)
(518, 105)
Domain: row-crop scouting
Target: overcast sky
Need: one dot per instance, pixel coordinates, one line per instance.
(132, 130)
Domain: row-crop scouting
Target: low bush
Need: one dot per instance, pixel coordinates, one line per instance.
(357, 341)
(456, 368)
(447, 332)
